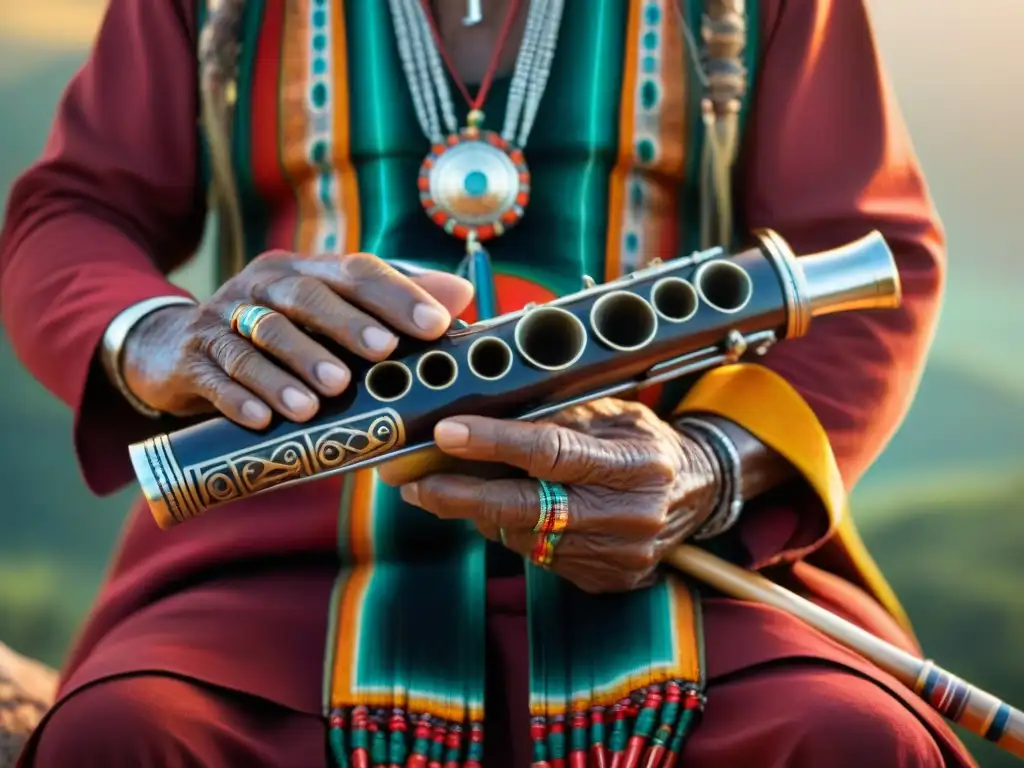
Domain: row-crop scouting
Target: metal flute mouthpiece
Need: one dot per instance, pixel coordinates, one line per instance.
(667, 320)
(857, 276)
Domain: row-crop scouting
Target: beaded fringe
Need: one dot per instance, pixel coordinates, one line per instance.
(646, 730)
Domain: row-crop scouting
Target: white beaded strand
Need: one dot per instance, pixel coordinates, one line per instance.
(524, 67)
(428, 84)
(542, 69)
(436, 65)
(412, 58)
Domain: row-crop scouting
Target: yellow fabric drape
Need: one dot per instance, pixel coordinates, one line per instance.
(767, 406)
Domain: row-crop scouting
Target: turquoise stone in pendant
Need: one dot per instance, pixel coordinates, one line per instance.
(475, 183)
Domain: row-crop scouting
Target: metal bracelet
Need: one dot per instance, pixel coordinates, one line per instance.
(730, 506)
(112, 346)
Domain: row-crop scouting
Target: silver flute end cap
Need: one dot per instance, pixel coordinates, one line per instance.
(860, 275)
(144, 456)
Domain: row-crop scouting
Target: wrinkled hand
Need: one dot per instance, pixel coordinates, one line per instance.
(188, 360)
(636, 487)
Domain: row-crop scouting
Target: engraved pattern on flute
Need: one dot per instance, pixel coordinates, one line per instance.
(167, 476)
(186, 500)
(301, 454)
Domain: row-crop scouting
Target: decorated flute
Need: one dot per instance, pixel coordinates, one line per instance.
(659, 323)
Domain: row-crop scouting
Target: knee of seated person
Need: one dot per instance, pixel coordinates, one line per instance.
(118, 723)
(856, 723)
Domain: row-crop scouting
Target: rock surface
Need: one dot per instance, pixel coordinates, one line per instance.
(26, 691)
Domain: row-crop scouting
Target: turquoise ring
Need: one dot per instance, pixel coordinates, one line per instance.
(246, 319)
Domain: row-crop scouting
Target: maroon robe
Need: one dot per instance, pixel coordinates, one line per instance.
(206, 644)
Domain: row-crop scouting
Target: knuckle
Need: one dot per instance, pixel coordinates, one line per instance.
(522, 508)
(660, 469)
(286, 290)
(647, 557)
(272, 332)
(639, 557)
(650, 522)
(238, 360)
(647, 525)
(500, 511)
(432, 496)
(427, 496)
(206, 382)
(630, 455)
(363, 266)
(572, 416)
(479, 498)
(268, 257)
(549, 448)
(213, 343)
(243, 364)
(202, 321)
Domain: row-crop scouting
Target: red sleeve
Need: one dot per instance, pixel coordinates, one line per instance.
(827, 159)
(112, 205)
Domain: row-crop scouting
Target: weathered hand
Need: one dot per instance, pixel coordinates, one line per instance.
(188, 360)
(636, 487)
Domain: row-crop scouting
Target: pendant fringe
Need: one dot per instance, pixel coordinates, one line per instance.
(647, 730)
(476, 267)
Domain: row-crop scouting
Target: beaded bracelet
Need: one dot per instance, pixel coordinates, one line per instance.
(730, 503)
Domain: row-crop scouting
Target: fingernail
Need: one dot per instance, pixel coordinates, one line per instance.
(297, 402)
(255, 412)
(378, 339)
(451, 434)
(430, 318)
(331, 375)
(410, 493)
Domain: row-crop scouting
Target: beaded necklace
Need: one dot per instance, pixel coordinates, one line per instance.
(475, 183)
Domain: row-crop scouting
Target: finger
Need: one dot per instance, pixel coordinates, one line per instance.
(549, 451)
(312, 304)
(386, 293)
(276, 335)
(454, 293)
(229, 397)
(245, 364)
(509, 504)
(414, 466)
(431, 461)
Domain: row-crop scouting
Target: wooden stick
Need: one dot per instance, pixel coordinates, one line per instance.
(976, 710)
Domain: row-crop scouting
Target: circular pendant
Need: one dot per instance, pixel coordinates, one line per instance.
(475, 185)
